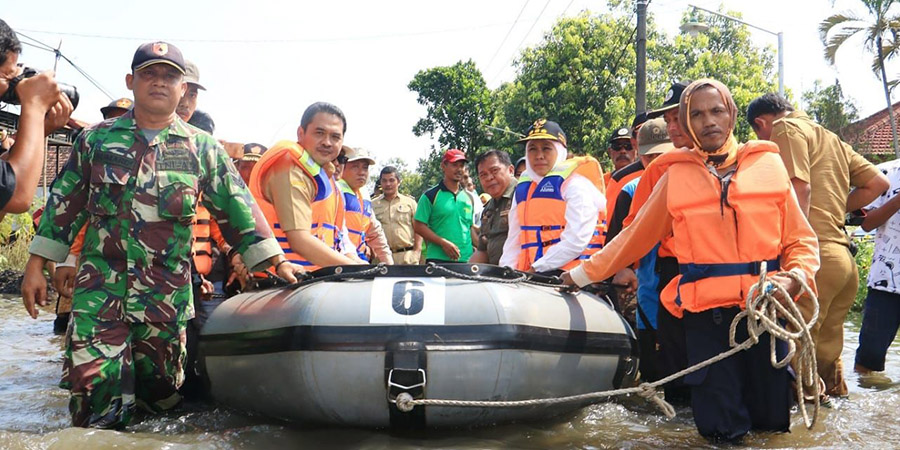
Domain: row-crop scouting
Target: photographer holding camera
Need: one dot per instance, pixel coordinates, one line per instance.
(44, 108)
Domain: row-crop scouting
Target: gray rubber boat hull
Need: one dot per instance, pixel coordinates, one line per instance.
(337, 352)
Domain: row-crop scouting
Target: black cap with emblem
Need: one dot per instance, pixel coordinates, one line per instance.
(156, 53)
(544, 129)
(620, 133)
(672, 99)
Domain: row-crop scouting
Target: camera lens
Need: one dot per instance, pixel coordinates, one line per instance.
(10, 97)
(71, 92)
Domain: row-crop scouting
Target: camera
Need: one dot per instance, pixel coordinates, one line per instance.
(12, 98)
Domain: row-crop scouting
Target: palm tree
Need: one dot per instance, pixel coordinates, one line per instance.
(881, 32)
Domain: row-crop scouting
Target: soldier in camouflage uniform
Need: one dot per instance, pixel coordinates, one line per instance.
(135, 182)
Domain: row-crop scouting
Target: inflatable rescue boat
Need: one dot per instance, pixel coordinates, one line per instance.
(339, 348)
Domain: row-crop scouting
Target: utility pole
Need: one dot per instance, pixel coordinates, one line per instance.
(640, 48)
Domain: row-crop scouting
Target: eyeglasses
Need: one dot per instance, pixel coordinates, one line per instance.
(342, 160)
(623, 146)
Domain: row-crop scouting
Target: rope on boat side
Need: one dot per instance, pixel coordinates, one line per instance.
(762, 310)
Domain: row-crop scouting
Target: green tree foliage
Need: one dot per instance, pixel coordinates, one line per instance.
(828, 107)
(411, 183)
(881, 32)
(581, 75)
(458, 105)
(726, 53)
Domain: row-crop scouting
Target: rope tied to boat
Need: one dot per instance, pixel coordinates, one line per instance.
(762, 311)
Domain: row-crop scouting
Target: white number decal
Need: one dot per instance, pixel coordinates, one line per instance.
(414, 301)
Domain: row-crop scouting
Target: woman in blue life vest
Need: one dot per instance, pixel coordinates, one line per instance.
(557, 217)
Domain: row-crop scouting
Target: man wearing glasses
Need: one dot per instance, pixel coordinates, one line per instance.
(620, 151)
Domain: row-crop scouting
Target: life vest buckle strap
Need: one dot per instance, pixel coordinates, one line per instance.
(542, 227)
(694, 272)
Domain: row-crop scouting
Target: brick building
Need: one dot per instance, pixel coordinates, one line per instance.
(59, 145)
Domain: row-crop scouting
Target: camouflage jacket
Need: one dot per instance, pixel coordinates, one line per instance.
(138, 199)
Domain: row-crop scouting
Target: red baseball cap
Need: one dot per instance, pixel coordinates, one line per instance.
(454, 155)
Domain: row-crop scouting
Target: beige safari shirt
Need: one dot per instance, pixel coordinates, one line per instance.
(396, 217)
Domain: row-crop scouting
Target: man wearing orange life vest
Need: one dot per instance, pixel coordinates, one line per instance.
(620, 151)
(294, 186)
(729, 207)
(622, 176)
(362, 228)
(557, 216)
(672, 356)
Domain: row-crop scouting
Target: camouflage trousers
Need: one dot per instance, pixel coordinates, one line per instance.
(112, 366)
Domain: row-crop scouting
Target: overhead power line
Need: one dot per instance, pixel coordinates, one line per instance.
(507, 34)
(42, 46)
(528, 33)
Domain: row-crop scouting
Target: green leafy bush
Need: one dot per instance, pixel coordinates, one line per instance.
(16, 233)
(864, 262)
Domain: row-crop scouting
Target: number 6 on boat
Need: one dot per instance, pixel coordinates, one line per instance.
(408, 301)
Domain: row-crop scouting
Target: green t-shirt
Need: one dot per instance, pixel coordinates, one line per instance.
(449, 215)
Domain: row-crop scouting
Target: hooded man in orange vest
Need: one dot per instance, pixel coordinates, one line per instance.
(729, 207)
(294, 185)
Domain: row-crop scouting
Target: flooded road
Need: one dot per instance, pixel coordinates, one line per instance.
(33, 415)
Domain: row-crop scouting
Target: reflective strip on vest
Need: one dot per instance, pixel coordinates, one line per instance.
(327, 206)
(202, 243)
(357, 219)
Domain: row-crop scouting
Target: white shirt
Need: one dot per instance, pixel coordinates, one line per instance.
(885, 271)
(477, 208)
(583, 205)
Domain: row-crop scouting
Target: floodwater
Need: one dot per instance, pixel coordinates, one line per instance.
(33, 415)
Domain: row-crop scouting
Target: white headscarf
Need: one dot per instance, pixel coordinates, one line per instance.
(561, 155)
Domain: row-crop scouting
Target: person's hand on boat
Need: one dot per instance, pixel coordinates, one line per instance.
(239, 271)
(289, 271)
(567, 283)
(34, 285)
(206, 287)
(450, 249)
(626, 277)
(64, 280)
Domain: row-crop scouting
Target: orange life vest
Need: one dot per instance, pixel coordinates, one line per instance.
(541, 211)
(357, 217)
(202, 245)
(723, 227)
(327, 206)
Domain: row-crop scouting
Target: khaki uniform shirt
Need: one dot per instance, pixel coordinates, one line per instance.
(817, 156)
(495, 224)
(396, 217)
(292, 196)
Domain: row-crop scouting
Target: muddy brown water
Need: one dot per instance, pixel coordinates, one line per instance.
(34, 415)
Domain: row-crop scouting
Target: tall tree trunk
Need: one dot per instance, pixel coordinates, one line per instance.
(887, 97)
